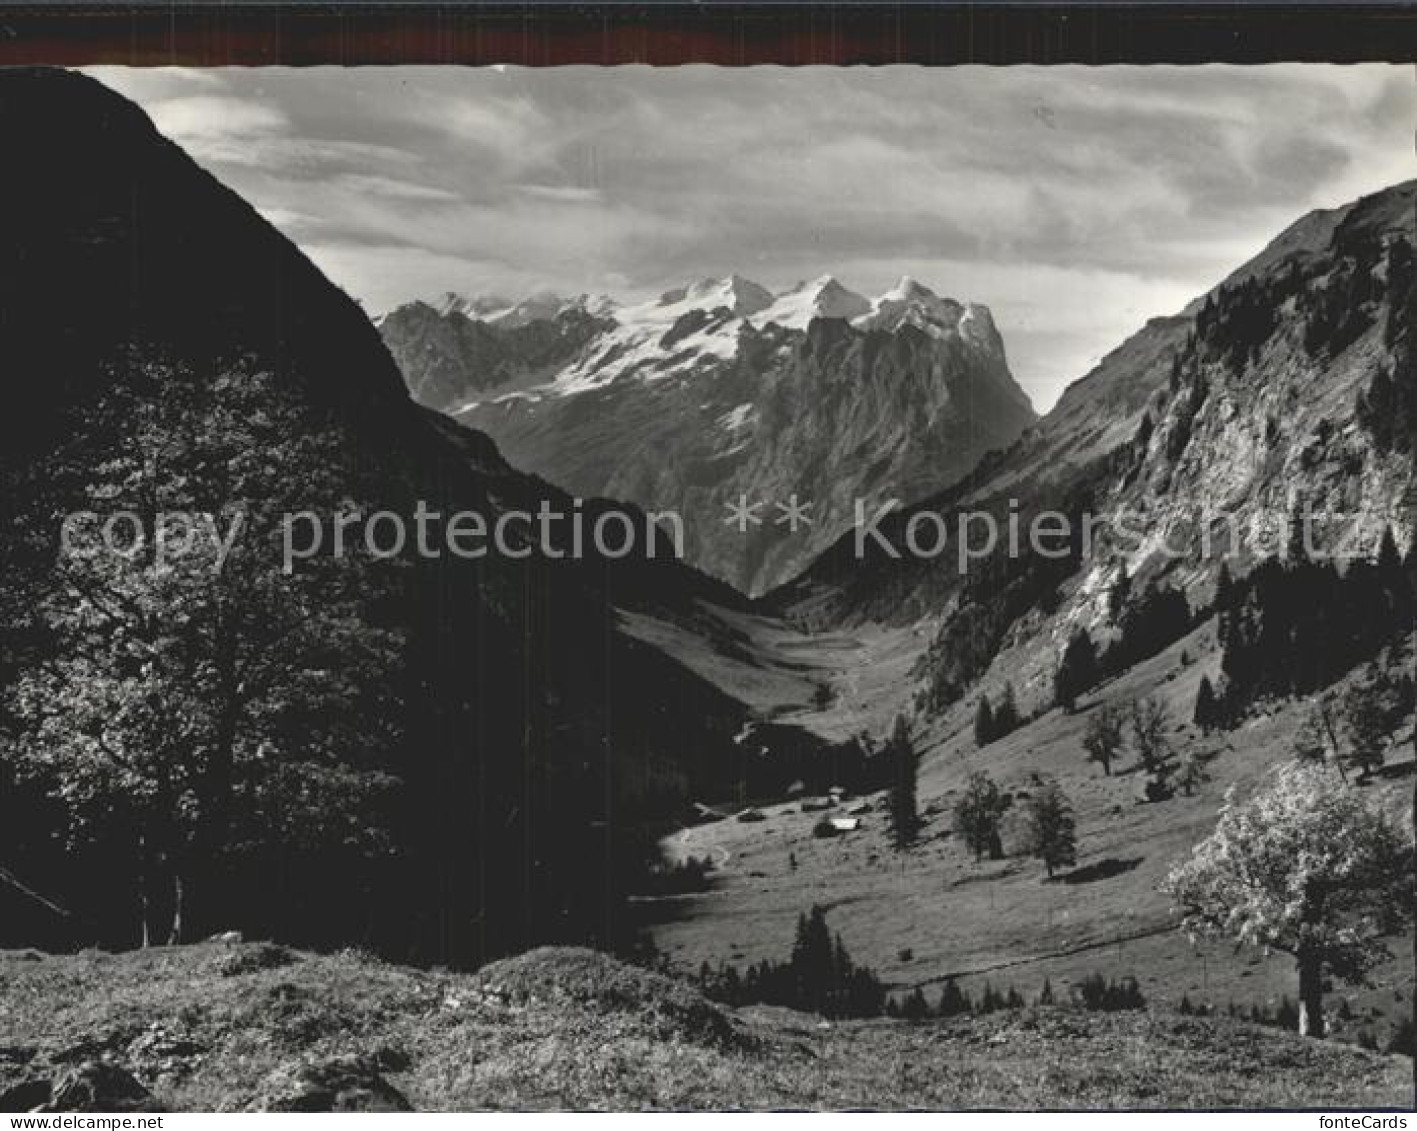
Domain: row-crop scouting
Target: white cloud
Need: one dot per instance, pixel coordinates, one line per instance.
(1074, 201)
(215, 126)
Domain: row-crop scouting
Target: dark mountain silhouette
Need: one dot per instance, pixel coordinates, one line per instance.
(537, 734)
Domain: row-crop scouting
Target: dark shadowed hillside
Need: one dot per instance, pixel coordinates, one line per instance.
(529, 732)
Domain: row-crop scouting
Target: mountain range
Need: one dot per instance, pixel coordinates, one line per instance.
(1195, 442)
(559, 714)
(721, 393)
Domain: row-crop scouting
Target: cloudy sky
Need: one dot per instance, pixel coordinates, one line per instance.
(1074, 202)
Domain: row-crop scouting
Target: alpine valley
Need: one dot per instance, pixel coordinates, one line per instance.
(844, 826)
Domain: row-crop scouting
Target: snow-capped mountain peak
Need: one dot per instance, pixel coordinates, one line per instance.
(541, 307)
(912, 303)
(823, 297)
(700, 326)
(741, 296)
(472, 306)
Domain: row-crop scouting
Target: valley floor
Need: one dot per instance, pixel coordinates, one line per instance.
(252, 1026)
(932, 911)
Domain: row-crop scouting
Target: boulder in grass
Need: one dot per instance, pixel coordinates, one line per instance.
(242, 959)
(561, 977)
(27, 1095)
(340, 1083)
(98, 1085)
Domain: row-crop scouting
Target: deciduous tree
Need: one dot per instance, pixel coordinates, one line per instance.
(191, 696)
(1307, 867)
(978, 814)
(1052, 828)
(1103, 737)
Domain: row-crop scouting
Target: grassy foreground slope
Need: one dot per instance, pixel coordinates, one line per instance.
(218, 1026)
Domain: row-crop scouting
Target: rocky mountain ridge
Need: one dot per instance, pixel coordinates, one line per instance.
(719, 393)
(1196, 440)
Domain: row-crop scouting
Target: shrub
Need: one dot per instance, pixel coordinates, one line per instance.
(1402, 1040)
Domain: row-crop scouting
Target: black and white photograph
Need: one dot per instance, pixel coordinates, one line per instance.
(706, 588)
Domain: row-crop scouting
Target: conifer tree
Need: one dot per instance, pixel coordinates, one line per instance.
(953, 1001)
(1006, 718)
(1191, 774)
(1077, 671)
(1224, 589)
(902, 810)
(915, 1007)
(1367, 725)
(1395, 585)
(1207, 710)
(983, 723)
(1119, 593)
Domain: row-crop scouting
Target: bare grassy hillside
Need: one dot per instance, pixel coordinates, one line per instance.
(233, 1027)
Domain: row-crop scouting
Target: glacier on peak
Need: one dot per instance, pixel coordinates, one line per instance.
(823, 297)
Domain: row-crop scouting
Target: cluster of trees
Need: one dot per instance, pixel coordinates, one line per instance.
(1105, 995)
(1078, 670)
(1235, 321)
(1293, 627)
(1388, 407)
(1094, 993)
(992, 723)
(1336, 307)
(1339, 308)
(818, 977)
(1191, 392)
(1209, 711)
(1142, 726)
(1352, 730)
(955, 1002)
(1049, 825)
(998, 590)
(1146, 623)
(680, 877)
